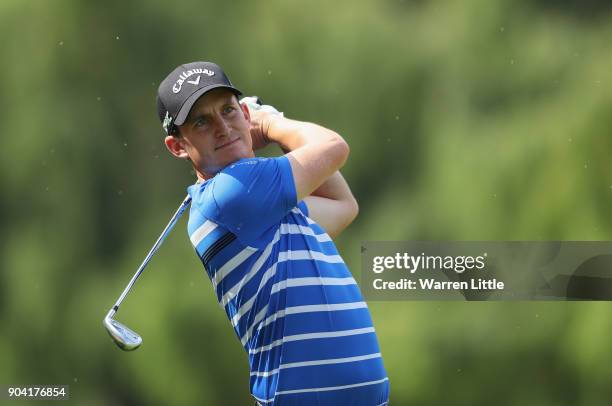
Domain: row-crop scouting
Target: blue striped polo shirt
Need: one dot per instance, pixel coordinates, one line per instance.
(291, 300)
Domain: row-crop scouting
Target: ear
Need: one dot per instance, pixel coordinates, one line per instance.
(176, 146)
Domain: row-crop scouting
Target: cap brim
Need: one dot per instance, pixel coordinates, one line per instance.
(186, 107)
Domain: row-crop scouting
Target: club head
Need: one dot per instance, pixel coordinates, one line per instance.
(125, 338)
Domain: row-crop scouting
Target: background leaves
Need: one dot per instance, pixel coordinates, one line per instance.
(470, 120)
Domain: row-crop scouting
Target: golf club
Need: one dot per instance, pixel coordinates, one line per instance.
(125, 338)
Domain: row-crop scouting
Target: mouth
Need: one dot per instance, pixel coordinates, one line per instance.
(227, 144)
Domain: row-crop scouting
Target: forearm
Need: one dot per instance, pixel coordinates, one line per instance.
(315, 152)
(290, 134)
(332, 205)
(335, 188)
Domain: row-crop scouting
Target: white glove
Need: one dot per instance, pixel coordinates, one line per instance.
(253, 103)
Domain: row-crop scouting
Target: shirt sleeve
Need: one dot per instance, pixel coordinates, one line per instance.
(304, 207)
(252, 195)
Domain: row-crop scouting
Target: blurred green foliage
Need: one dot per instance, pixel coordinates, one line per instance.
(471, 120)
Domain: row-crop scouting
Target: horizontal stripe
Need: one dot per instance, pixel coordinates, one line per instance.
(243, 310)
(249, 303)
(323, 270)
(297, 210)
(317, 362)
(308, 254)
(284, 230)
(308, 322)
(312, 336)
(258, 317)
(306, 295)
(322, 348)
(314, 295)
(296, 310)
(295, 282)
(262, 400)
(324, 389)
(231, 265)
(283, 256)
(302, 309)
(234, 290)
(289, 283)
(201, 233)
(328, 388)
(327, 375)
(313, 308)
(287, 228)
(301, 242)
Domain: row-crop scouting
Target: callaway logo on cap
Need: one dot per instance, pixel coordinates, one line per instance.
(183, 87)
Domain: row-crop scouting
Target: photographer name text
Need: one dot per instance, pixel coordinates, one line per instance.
(431, 263)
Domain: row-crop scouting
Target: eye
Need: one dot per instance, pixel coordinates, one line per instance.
(229, 109)
(201, 121)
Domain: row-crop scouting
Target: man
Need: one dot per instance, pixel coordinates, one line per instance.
(262, 228)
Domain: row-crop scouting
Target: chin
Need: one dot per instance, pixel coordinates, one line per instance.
(239, 153)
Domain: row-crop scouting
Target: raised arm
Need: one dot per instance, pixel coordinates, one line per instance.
(315, 154)
(332, 205)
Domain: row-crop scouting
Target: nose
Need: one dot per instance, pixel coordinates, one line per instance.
(221, 126)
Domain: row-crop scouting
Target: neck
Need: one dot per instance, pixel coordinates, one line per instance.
(202, 177)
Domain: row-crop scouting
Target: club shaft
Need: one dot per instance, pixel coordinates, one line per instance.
(156, 246)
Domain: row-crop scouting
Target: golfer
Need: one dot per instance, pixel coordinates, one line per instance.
(263, 229)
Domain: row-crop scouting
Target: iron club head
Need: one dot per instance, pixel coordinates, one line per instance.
(125, 338)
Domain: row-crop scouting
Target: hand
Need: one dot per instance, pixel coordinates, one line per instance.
(261, 116)
(259, 128)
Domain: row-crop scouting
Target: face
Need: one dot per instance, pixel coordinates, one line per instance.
(215, 134)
